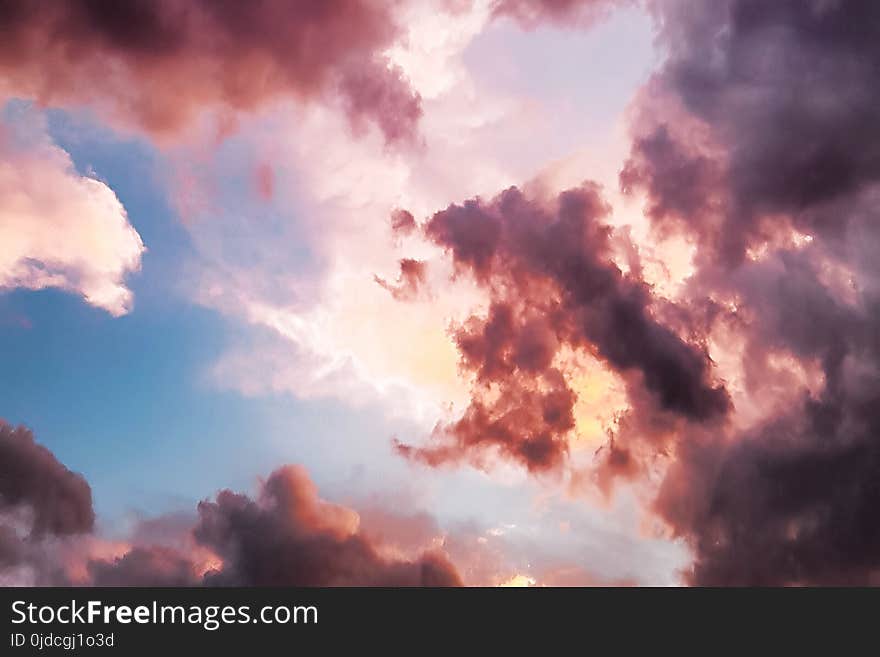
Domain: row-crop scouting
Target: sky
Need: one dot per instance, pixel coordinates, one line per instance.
(439, 292)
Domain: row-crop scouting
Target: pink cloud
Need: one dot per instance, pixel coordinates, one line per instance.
(157, 65)
(61, 229)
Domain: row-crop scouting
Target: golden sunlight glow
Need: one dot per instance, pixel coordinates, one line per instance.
(519, 580)
(601, 398)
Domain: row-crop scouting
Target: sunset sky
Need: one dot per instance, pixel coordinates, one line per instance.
(483, 292)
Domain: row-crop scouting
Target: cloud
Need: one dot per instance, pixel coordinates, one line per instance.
(402, 222)
(785, 499)
(303, 266)
(778, 94)
(286, 536)
(145, 566)
(59, 501)
(750, 393)
(59, 228)
(159, 64)
(291, 537)
(411, 279)
(43, 508)
(553, 284)
(757, 139)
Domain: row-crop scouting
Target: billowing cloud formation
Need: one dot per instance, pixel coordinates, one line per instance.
(762, 114)
(155, 565)
(291, 537)
(158, 64)
(59, 228)
(756, 141)
(31, 478)
(553, 284)
(288, 536)
(759, 139)
(42, 503)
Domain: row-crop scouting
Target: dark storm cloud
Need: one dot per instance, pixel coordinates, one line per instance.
(788, 93)
(42, 505)
(794, 501)
(31, 478)
(763, 121)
